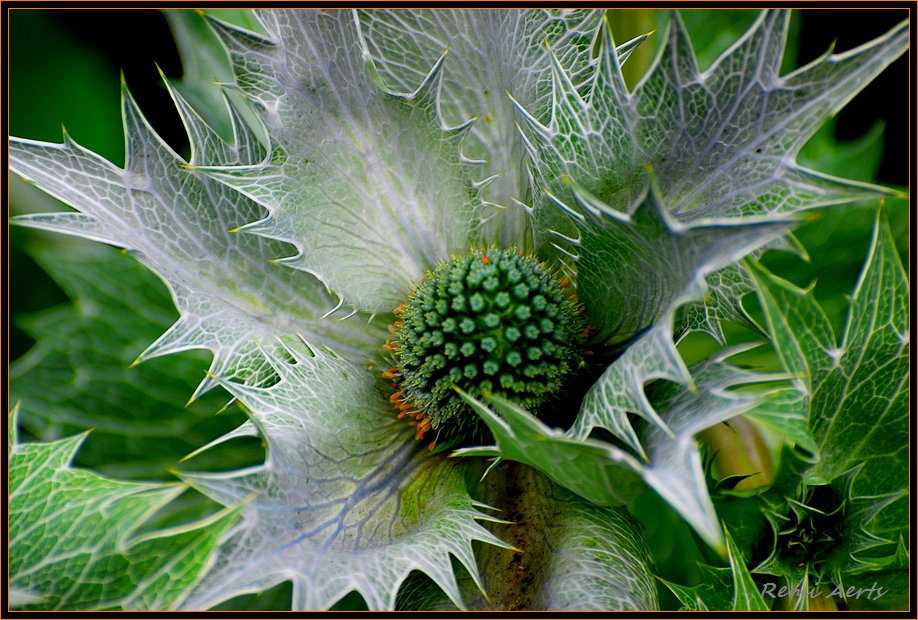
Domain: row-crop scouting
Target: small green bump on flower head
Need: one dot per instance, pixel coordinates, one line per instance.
(489, 322)
(476, 303)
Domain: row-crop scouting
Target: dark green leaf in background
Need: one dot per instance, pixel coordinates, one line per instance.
(79, 375)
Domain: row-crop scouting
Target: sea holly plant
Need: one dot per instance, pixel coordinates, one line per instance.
(447, 263)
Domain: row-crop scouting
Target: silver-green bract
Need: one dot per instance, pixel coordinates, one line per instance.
(378, 144)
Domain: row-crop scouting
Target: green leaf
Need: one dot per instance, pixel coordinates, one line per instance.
(601, 473)
(73, 535)
(609, 476)
(227, 292)
(713, 593)
(722, 589)
(569, 553)
(836, 242)
(869, 374)
(866, 373)
(854, 396)
(346, 500)
(783, 413)
(79, 374)
(349, 181)
(724, 302)
(746, 596)
(890, 590)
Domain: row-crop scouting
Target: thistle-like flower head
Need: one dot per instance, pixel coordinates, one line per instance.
(484, 184)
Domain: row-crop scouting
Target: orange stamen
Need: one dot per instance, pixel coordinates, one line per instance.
(486, 260)
(399, 309)
(564, 283)
(390, 346)
(390, 373)
(397, 396)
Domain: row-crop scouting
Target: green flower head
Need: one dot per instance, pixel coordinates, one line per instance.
(489, 322)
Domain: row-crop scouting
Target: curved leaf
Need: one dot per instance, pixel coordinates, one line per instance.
(73, 535)
(205, 63)
(609, 476)
(349, 182)
(346, 500)
(722, 142)
(176, 222)
(623, 300)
